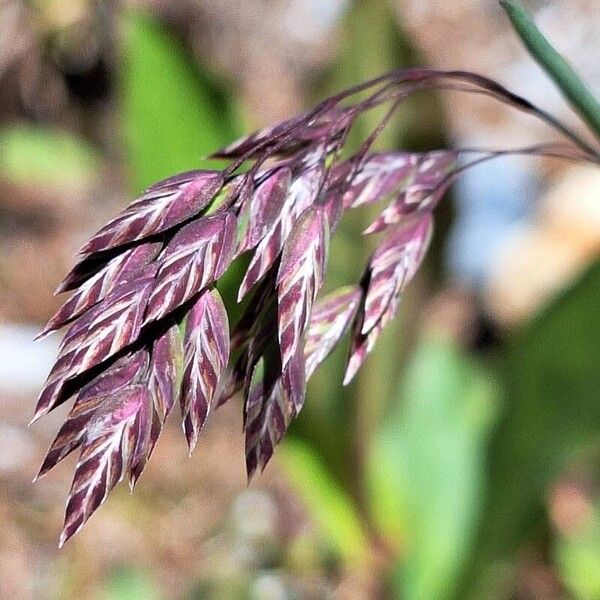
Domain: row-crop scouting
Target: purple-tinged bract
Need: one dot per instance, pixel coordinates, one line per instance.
(421, 190)
(394, 264)
(265, 206)
(302, 193)
(300, 276)
(163, 206)
(330, 319)
(106, 452)
(166, 370)
(206, 355)
(121, 269)
(197, 255)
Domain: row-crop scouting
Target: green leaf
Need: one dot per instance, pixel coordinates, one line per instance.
(578, 560)
(47, 157)
(173, 112)
(425, 471)
(551, 419)
(332, 510)
(131, 584)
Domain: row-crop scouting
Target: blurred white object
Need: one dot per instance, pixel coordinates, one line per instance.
(16, 448)
(490, 199)
(270, 586)
(255, 515)
(309, 20)
(24, 364)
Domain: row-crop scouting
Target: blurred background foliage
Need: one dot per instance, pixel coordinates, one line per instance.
(464, 460)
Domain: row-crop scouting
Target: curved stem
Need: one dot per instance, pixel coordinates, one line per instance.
(397, 85)
(573, 88)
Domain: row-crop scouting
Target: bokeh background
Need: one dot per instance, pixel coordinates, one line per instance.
(463, 462)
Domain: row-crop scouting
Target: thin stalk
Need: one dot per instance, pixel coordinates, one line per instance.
(570, 84)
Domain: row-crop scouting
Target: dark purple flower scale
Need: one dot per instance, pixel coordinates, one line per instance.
(206, 355)
(301, 273)
(302, 192)
(147, 327)
(166, 371)
(121, 374)
(421, 190)
(120, 270)
(265, 206)
(394, 264)
(198, 255)
(163, 206)
(107, 449)
(330, 319)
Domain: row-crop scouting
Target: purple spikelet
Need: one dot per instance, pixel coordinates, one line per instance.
(148, 329)
(166, 371)
(106, 452)
(198, 255)
(163, 379)
(264, 207)
(123, 268)
(330, 319)
(391, 268)
(163, 206)
(300, 276)
(100, 333)
(394, 264)
(206, 355)
(302, 193)
(421, 188)
(273, 398)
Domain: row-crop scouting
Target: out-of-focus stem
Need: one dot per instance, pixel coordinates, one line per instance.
(576, 92)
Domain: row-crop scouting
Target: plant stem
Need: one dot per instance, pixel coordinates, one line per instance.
(575, 91)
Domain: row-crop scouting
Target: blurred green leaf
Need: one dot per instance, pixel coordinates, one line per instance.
(131, 584)
(329, 506)
(173, 111)
(578, 559)
(551, 418)
(45, 156)
(426, 468)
